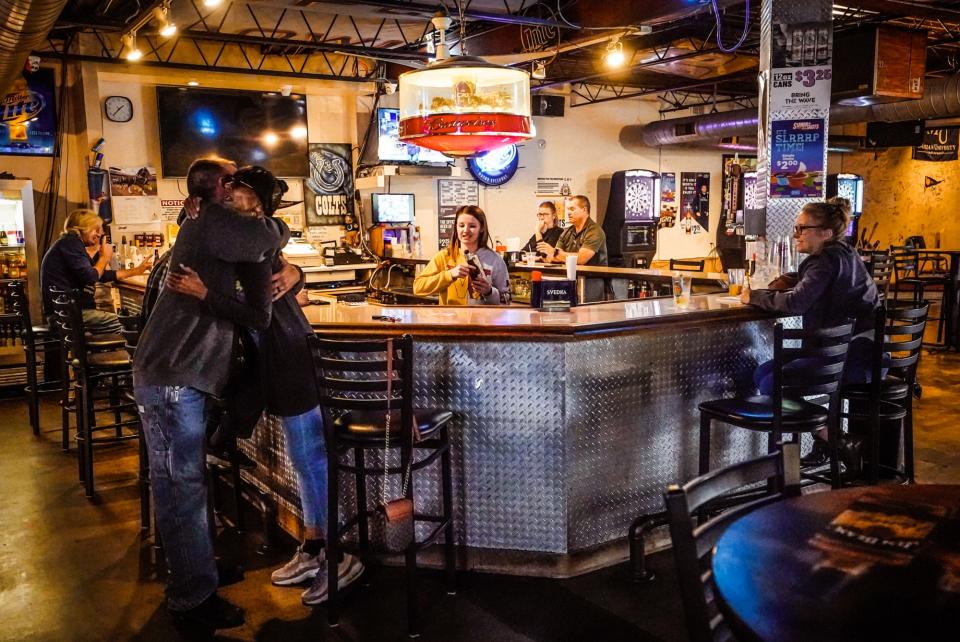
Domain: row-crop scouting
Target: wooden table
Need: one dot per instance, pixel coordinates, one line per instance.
(787, 571)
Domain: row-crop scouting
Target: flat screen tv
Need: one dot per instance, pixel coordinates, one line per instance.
(392, 208)
(249, 127)
(391, 150)
(28, 122)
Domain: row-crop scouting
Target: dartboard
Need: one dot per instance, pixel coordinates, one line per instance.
(639, 197)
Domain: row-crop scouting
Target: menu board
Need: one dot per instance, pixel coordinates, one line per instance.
(451, 195)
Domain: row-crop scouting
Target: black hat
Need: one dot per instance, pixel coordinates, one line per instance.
(268, 188)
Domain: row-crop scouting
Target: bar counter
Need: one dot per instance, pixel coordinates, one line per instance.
(567, 425)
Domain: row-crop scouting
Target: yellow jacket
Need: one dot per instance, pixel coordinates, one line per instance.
(435, 279)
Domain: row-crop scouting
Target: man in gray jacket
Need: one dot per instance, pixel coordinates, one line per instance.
(183, 358)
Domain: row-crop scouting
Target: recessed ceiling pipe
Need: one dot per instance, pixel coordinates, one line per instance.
(24, 25)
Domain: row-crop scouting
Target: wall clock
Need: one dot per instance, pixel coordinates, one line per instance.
(119, 109)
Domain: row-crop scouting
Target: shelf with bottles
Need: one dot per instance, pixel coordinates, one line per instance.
(13, 264)
(12, 238)
(139, 248)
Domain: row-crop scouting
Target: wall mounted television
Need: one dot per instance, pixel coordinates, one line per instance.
(249, 127)
(392, 208)
(391, 150)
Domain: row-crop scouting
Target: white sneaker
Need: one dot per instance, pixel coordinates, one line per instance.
(301, 567)
(348, 571)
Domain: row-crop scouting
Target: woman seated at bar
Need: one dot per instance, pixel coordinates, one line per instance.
(450, 273)
(832, 286)
(68, 265)
(548, 227)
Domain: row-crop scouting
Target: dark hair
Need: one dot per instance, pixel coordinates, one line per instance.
(550, 206)
(583, 200)
(477, 213)
(831, 215)
(268, 188)
(203, 175)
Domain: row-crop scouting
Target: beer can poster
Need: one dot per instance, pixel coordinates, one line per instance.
(796, 159)
(329, 193)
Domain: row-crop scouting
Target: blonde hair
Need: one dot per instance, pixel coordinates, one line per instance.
(80, 220)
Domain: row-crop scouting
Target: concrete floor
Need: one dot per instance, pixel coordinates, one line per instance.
(75, 570)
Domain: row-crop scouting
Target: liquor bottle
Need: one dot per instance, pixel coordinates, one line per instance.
(14, 268)
(417, 242)
(3, 238)
(6, 267)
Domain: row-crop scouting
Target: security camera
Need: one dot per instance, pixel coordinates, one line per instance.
(390, 87)
(286, 90)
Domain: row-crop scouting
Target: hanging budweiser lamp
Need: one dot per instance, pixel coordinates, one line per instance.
(463, 106)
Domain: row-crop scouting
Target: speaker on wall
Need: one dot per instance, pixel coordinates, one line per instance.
(547, 105)
(907, 133)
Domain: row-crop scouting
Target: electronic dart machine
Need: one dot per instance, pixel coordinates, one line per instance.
(849, 186)
(633, 212)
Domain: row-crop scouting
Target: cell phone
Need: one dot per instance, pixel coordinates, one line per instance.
(476, 267)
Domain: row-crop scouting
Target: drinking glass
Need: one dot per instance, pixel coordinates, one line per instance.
(735, 280)
(530, 258)
(681, 290)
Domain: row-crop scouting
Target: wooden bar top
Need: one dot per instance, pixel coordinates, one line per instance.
(517, 320)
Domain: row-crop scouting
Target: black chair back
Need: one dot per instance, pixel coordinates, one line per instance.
(20, 306)
(687, 265)
(905, 263)
(881, 269)
(903, 339)
(352, 377)
(694, 530)
(68, 316)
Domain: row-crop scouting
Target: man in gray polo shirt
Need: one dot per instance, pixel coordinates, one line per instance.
(583, 237)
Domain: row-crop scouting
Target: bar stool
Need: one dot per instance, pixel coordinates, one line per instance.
(898, 340)
(824, 352)
(37, 339)
(880, 266)
(91, 368)
(94, 342)
(908, 270)
(355, 402)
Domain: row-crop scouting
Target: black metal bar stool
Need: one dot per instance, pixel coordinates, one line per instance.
(910, 274)
(898, 341)
(94, 343)
(880, 266)
(90, 369)
(37, 339)
(824, 352)
(358, 387)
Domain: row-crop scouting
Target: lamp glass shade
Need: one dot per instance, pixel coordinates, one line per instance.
(465, 106)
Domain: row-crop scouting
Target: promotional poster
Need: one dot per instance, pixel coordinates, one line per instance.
(796, 158)
(668, 199)
(695, 201)
(451, 194)
(329, 193)
(27, 119)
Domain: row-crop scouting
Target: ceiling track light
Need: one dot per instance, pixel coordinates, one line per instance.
(130, 44)
(210, 4)
(614, 56)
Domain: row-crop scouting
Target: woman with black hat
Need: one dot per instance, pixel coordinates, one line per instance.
(285, 384)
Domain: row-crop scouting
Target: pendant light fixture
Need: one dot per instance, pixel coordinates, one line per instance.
(464, 105)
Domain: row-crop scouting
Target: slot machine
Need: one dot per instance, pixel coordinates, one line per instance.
(630, 222)
(849, 186)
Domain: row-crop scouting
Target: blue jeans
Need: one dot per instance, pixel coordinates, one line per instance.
(307, 449)
(174, 426)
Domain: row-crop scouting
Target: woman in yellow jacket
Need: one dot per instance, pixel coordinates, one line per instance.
(448, 275)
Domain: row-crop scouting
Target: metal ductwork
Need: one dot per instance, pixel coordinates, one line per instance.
(941, 100)
(24, 25)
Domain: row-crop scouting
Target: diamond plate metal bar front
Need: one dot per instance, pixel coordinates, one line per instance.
(558, 445)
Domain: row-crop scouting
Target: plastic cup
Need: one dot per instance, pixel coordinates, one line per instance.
(571, 266)
(530, 258)
(735, 282)
(681, 290)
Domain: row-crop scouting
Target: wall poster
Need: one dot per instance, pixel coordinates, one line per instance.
(452, 194)
(695, 201)
(801, 68)
(939, 145)
(133, 195)
(796, 158)
(28, 124)
(668, 199)
(329, 193)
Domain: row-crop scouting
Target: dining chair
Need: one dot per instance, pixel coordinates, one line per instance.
(695, 528)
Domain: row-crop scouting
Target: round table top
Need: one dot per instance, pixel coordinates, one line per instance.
(878, 563)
